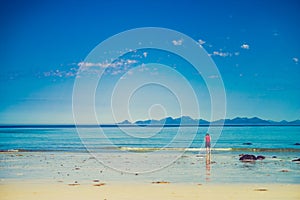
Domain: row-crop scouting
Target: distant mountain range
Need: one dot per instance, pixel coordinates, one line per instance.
(186, 120)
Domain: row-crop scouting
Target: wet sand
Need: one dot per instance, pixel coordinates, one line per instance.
(48, 175)
(25, 190)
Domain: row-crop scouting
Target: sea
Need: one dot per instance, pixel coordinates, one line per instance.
(70, 139)
(146, 154)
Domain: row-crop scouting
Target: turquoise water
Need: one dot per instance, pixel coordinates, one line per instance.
(58, 154)
(67, 139)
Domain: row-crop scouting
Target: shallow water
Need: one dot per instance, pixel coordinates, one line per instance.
(55, 154)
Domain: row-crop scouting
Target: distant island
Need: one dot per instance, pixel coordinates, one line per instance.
(186, 120)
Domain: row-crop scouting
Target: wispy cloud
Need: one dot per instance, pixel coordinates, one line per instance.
(115, 68)
(61, 73)
(245, 46)
(296, 60)
(224, 54)
(90, 64)
(177, 42)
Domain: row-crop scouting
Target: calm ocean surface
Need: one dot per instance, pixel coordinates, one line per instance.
(68, 139)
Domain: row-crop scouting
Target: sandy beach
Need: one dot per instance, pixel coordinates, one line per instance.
(19, 190)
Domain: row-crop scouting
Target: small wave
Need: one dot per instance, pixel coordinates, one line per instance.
(151, 149)
(147, 149)
(267, 149)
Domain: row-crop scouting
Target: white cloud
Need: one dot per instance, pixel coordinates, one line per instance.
(201, 42)
(296, 60)
(177, 42)
(129, 61)
(222, 54)
(245, 46)
(145, 54)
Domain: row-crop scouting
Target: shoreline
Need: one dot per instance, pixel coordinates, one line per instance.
(118, 190)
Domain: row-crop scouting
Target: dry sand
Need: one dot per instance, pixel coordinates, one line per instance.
(149, 191)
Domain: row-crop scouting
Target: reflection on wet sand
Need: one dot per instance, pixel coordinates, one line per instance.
(207, 167)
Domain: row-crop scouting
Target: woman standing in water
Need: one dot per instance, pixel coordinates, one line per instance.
(207, 143)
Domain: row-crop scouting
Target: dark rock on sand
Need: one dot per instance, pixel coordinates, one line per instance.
(160, 182)
(261, 189)
(284, 170)
(99, 184)
(247, 158)
(250, 158)
(296, 160)
(260, 157)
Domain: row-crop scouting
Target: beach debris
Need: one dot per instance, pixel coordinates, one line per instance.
(284, 170)
(261, 189)
(77, 168)
(74, 184)
(247, 143)
(96, 180)
(160, 182)
(296, 160)
(99, 184)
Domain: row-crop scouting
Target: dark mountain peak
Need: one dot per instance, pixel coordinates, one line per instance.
(125, 122)
(295, 122)
(187, 120)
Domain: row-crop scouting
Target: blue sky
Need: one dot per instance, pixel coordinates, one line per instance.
(255, 45)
